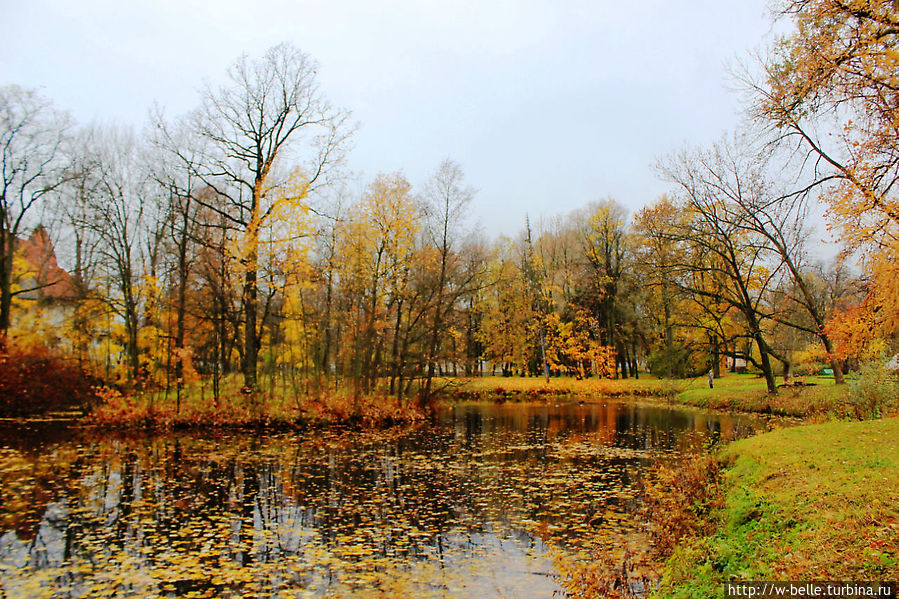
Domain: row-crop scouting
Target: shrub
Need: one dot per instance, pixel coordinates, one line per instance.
(678, 500)
(33, 380)
(873, 392)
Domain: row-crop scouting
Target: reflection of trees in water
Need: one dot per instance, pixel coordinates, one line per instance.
(336, 503)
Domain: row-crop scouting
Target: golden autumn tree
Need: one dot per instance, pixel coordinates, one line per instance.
(351, 278)
(507, 310)
(285, 276)
(389, 205)
(685, 294)
(657, 252)
(841, 61)
(573, 347)
(606, 251)
(831, 89)
(375, 246)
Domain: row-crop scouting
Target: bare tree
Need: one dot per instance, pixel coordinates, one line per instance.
(81, 240)
(130, 228)
(32, 133)
(763, 208)
(779, 217)
(268, 119)
(446, 198)
(173, 168)
(327, 241)
(724, 248)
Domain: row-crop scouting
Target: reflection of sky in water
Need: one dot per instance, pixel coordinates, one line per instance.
(458, 509)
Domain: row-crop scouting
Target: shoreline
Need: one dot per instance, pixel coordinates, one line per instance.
(733, 394)
(815, 502)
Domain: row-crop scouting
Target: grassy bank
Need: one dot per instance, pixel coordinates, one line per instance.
(530, 388)
(804, 397)
(816, 395)
(817, 502)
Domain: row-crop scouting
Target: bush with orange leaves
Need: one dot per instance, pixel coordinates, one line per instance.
(34, 380)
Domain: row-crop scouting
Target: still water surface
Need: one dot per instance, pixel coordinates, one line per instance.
(473, 506)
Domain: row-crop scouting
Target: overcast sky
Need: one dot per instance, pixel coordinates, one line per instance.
(545, 104)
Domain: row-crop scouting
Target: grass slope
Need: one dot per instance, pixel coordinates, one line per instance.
(817, 502)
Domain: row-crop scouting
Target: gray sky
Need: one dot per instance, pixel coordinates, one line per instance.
(545, 104)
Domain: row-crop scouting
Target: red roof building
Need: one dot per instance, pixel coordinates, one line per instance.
(50, 282)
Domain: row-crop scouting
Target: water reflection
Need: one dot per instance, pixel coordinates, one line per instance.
(463, 507)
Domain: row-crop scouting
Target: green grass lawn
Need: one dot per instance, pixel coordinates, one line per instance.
(740, 392)
(747, 392)
(816, 502)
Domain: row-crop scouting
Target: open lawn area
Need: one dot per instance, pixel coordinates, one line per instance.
(814, 395)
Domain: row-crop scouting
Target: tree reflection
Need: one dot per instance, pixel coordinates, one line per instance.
(319, 511)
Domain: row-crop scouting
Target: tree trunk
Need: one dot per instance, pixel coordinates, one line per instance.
(543, 353)
(369, 345)
(251, 341)
(131, 345)
(634, 369)
(401, 375)
(325, 363)
(181, 311)
(623, 361)
(7, 247)
(834, 363)
(716, 357)
(767, 371)
(396, 364)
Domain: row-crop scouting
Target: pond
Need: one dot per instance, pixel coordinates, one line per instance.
(474, 505)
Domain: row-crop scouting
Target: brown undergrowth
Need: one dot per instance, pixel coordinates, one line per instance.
(676, 500)
(239, 410)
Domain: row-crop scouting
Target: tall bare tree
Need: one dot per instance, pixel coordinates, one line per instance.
(724, 248)
(446, 198)
(270, 134)
(779, 217)
(130, 227)
(32, 134)
(175, 161)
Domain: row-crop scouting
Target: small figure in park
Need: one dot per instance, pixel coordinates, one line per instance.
(711, 379)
